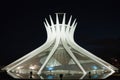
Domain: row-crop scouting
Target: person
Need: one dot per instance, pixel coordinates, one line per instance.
(89, 75)
(61, 76)
(31, 73)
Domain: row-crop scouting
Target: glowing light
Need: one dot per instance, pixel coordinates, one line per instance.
(33, 66)
(94, 67)
(19, 67)
(50, 68)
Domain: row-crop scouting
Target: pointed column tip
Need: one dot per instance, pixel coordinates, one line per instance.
(63, 21)
(47, 22)
(51, 20)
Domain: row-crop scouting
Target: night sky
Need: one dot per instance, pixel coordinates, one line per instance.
(22, 29)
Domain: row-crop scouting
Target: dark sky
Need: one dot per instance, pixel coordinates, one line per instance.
(22, 29)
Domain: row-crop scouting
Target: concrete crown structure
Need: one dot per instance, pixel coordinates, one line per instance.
(60, 55)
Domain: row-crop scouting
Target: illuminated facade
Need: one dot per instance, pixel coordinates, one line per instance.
(60, 55)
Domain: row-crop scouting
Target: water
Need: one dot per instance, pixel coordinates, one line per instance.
(5, 76)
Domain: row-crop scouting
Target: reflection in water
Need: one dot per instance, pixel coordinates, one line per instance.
(95, 76)
(50, 77)
(52, 73)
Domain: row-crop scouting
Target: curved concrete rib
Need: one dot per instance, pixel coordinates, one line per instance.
(64, 33)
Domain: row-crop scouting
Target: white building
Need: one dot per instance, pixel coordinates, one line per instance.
(60, 55)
